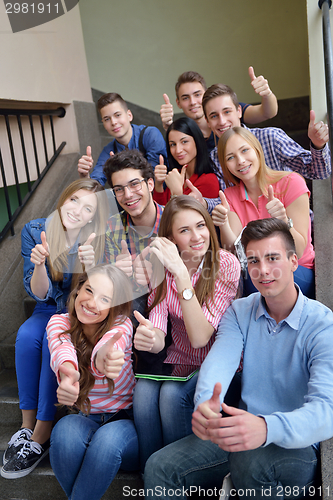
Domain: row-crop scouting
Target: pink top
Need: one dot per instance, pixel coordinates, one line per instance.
(181, 351)
(287, 190)
(62, 350)
(207, 184)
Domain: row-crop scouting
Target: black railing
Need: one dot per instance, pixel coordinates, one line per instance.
(325, 6)
(35, 127)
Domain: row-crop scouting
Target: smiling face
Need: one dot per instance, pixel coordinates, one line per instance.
(78, 210)
(190, 99)
(270, 268)
(241, 158)
(93, 301)
(134, 203)
(222, 114)
(182, 148)
(191, 235)
(117, 121)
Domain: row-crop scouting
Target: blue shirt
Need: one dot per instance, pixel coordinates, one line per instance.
(282, 153)
(58, 291)
(152, 141)
(287, 368)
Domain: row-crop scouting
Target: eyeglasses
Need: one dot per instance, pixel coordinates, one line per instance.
(134, 186)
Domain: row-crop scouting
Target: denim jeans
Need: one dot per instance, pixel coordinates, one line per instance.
(162, 413)
(86, 453)
(190, 464)
(37, 383)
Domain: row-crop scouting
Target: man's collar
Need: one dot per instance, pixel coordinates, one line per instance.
(154, 229)
(293, 318)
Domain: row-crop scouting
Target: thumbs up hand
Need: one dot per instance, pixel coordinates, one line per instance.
(143, 269)
(210, 409)
(275, 207)
(166, 112)
(259, 84)
(40, 251)
(175, 180)
(86, 253)
(124, 260)
(317, 132)
(144, 338)
(69, 387)
(160, 174)
(220, 212)
(85, 163)
(109, 360)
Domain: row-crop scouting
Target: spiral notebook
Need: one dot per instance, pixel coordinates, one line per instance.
(168, 371)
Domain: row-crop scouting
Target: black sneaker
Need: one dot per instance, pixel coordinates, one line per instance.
(25, 460)
(16, 442)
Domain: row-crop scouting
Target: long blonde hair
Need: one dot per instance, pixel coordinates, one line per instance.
(265, 175)
(121, 306)
(205, 286)
(56, 232)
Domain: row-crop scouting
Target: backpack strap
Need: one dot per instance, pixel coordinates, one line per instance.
(141, 146)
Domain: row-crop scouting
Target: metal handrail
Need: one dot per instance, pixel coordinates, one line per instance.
(42, 114)
(325, 5)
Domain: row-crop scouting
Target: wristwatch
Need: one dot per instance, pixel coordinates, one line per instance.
(186, 294)
(290, 223)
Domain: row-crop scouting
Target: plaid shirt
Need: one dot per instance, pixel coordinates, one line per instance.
(283, 153)
(120, 227)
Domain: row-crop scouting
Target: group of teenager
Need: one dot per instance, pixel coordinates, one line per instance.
(200, 254)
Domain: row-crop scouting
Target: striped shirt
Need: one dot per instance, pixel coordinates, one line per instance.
(120, 227)
(63, 350)
(226, 284)
(283, 153)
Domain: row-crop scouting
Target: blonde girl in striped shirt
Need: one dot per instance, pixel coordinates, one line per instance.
(91, 349)
(201, 281)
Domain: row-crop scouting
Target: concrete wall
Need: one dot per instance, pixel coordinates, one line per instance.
(139, 48)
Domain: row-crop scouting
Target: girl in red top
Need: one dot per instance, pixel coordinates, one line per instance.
(188, 159)
(91, 349)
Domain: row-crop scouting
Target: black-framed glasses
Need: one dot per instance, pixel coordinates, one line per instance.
(134, 186)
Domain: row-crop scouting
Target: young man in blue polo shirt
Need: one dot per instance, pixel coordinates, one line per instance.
(270, 443)
(116, 119)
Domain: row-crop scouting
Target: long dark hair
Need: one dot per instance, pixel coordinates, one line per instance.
(203, 164)
(120, 310)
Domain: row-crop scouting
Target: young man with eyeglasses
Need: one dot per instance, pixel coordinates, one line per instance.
(116, 119)
(130, 232)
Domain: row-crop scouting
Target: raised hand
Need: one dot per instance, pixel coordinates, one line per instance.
(160, 173)
(142, 268)
(259, 84)
(124, 260)
(275, 207)
(317, 132)
(221, 211)
(40, 251)
(195, 193)
(144, 337)
(86, 253)
(210, 409)
(69, 387)
(109, 360)
(167, 253)
(85, 164)
(175, 180)
(166, 112)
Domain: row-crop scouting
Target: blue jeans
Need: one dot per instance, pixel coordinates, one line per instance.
(162, 413)
(86, 455)
(190, 464)
(37, 383)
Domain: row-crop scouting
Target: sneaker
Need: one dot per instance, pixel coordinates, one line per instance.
(25, 460)
(16, 442)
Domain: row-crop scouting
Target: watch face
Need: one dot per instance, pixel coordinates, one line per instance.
(187, 294)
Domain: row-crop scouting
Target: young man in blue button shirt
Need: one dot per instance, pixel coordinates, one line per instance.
(116, 119)
(270, 443)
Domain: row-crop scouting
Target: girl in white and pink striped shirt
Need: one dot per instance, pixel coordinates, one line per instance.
(201, 280)
(91, 349)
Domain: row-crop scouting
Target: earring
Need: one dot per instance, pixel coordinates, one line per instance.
(89, 221)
